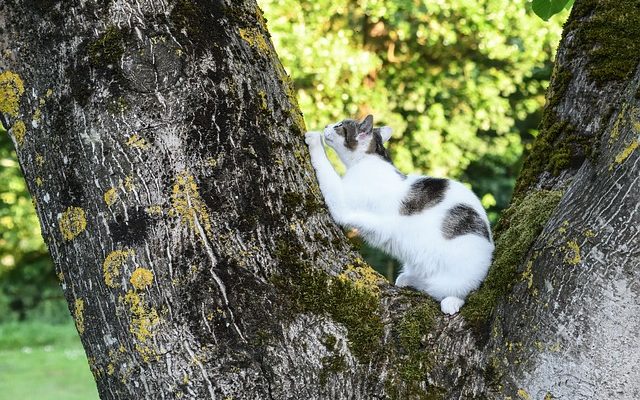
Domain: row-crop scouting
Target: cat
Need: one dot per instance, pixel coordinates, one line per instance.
(436, 227)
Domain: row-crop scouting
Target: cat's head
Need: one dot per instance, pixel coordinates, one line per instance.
(353, 139)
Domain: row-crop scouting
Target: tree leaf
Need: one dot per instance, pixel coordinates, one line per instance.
(545, 9)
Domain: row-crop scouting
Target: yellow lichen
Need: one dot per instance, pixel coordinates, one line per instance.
(143, 320)
(563, 227)
(211, 162)
(141, 278)
(188, 205)
(110, 196)
(255, 38)
(589, 233)
(111, 369)
(263, 100)
(37, 114)
(38, 181)
(137, 141)
(39, 160)
(79, 315)
(72, 222)
(112, 265)
(19, 130)
(60, 276)
(49, 93)
(363, 276)
(573, 256)
(154, 210)
(527, 274)
(11, 88)
(625, 153)
(128, 184)
(523, 394)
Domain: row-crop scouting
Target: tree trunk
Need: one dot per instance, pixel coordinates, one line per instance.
(163, 146)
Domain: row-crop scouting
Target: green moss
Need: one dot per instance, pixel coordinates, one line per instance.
(518, 228)
(117, 105)
(411, 355)
(412, 330)
(608, 31)
(333, 364)
(295, 202)
(183, 15)
(108, 48)
(310, 291)
(557, 146)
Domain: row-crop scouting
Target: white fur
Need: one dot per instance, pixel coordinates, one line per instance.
(369, 196)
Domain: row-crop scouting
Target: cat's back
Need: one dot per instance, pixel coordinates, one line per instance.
(374, 184)
(445, 208)
(426, 193)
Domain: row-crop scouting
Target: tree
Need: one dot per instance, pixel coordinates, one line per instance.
(164, 150)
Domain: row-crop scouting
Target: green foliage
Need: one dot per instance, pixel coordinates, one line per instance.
(546, 9)
(26, 272)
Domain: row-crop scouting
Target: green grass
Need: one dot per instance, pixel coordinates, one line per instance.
(40, 361)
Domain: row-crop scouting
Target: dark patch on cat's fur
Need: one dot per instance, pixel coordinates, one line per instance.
(461, 220)
(349, 130)
(377, 147)
(424, 193)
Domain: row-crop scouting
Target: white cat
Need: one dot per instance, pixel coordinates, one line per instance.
(436, 227)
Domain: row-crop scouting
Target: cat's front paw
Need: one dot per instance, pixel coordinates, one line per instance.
(313, 138)
(451, 305)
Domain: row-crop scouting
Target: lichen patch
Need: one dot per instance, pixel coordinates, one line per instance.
(143, 320)
(625, 153)
(188, 205)
(79, 315)
(573, 255)
(112, 265)
(11, 88)
(19, 131)
(255, 38)
(136, 141)
(141, 278)
(110, 196)
(72, 222)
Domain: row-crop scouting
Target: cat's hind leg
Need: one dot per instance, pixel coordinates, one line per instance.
(404, 279)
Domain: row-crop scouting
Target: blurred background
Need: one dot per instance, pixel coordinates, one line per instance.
(461, 82)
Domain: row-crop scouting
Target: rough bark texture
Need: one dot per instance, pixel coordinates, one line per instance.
(163, 147)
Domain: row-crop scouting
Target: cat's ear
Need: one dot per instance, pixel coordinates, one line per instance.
(366, 126)
(385, 133)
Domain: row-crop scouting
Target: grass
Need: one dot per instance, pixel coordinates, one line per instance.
(40, 361)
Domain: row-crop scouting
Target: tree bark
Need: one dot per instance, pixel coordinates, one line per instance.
(163, 146)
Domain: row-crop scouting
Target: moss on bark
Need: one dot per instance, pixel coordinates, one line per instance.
(519, 227)
(608, 30)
